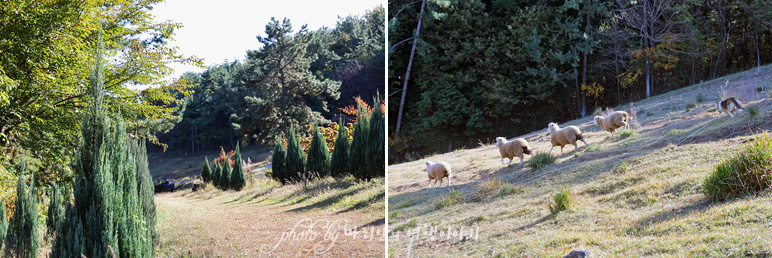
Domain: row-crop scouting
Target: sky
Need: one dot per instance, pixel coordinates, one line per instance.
(225, 29)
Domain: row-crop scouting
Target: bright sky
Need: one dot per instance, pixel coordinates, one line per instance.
(224, 30)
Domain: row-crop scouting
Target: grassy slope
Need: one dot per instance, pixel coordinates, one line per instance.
(172, 166)
(250, 223)
(638, 196)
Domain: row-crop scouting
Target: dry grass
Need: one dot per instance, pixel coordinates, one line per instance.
(635, 196)
(250, 223)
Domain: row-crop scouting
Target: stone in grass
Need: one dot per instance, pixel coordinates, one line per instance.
(579, 253)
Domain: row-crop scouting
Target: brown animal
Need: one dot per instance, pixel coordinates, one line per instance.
(437, 172)
(565, 136)
(613, 121)
(514, 148)
(729, 106)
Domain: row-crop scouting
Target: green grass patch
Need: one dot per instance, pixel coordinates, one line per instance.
(628, 133)
(408, 203)
(410, 224)
(700, 97)
(488, 188)
(713, 109)
(753, 111)
(563, 201)
(747, 171)
(394, 215)
(593, 148)
(690, 106)
(541, 159)
(478, 219)
(508, 190)
(675, 132)
(453, 197)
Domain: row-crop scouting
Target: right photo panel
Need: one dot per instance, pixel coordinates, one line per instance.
(579, 128)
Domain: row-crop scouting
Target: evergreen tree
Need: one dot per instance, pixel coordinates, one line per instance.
(289, 93)
(22, 239)
(377, 143)
(278, 164)
(108, 214)
(3, 224)
(146, 191)
(296, 160)
(216, 174)
(55, 209)
(358, 154)
(238, 178)
(318, 156)
(206, 171)
(339, 162)
(225, 177)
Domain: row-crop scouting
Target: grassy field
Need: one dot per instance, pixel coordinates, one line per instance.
(337, 218)
(633, 196)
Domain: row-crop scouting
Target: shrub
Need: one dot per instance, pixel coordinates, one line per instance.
(206, 171)
(627, 133)
(541, 159)
(21, 239)
(296, 160)
(216, 174)
(277, 163)
(453, 197)
(339, 162)
(146, 190)
(238, 178)
(487, 188)
(358, 154)
(318, 156)
(563, 201)
(748, 171)
(598, 111)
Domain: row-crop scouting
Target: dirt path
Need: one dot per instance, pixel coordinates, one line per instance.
(193, 226)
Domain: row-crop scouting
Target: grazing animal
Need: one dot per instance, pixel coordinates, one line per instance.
(514, 148)
(562, 137)
(437, 172)
(729, 106)
(613, 121)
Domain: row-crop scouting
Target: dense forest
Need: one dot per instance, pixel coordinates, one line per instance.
(297, 78)
(485, 68)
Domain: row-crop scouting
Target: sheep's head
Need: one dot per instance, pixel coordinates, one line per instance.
(551, 127)
(597, 120)
(429, 163)
(500, 140)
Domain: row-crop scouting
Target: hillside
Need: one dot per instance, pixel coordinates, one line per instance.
(170, 165)
(634, 196)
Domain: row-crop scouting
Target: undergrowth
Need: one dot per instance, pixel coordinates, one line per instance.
(747, 171)
(563, 201)
(540, 160)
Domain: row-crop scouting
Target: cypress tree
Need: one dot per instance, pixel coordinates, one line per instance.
(296, 160)
(277, 165)
(339, 162)
(225, 177)
(55, 210)
(3, 224)
(108, 215)
(216, 171)
(206, 171)
(21, 239)
(238, 178)
(377, 143)
(357, 156)
(318, 156)
(146, 191)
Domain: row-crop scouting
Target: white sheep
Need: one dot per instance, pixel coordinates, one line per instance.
(437, 171)
(613, 121)
(565, 136)
(514, 148)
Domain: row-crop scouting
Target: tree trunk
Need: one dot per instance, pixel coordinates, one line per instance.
(407, 74)
(584, 61)
(645, 34)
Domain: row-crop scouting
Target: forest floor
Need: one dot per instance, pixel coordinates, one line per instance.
(633, 196)
(331, 218)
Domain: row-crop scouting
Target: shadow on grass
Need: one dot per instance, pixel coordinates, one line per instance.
(365, 202)
(329, 201)
(532, 224)
(672, 214)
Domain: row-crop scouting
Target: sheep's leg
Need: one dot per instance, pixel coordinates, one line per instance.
(502, 160)
(561, 149)
(510, 162)
(730, 114)
(585, 142)
(429, 185)
(440, 182)
(576, 145)
(550, 150)
(521, 161)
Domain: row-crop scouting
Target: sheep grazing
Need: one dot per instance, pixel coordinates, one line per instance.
(514, 148)
(437, 172)
(613, 121)
(562, 137)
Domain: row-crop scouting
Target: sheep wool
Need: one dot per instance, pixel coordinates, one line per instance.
(562, 137)
(437, 171)
(613, 121)
(514, 148)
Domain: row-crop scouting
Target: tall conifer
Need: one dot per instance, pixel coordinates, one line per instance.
(296, 160)
(206, 171)
(278, 163)
(238, 178)
(22, 237)
(318, 156)
(339, 162)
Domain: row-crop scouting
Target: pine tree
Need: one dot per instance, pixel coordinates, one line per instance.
(146, 191)
(296, 160)
(22, 239)
(277, 163)
(206, 171)
(339, 162)
(225, 177)
(377, 143)
(108, 215)
(55, 210)
(318, 156)
(238, 178)
(357, 156)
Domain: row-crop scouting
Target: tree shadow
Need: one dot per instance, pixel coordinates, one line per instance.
(673, 214)
(537, 222)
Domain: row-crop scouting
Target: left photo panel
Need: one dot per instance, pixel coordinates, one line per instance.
(192, 129)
